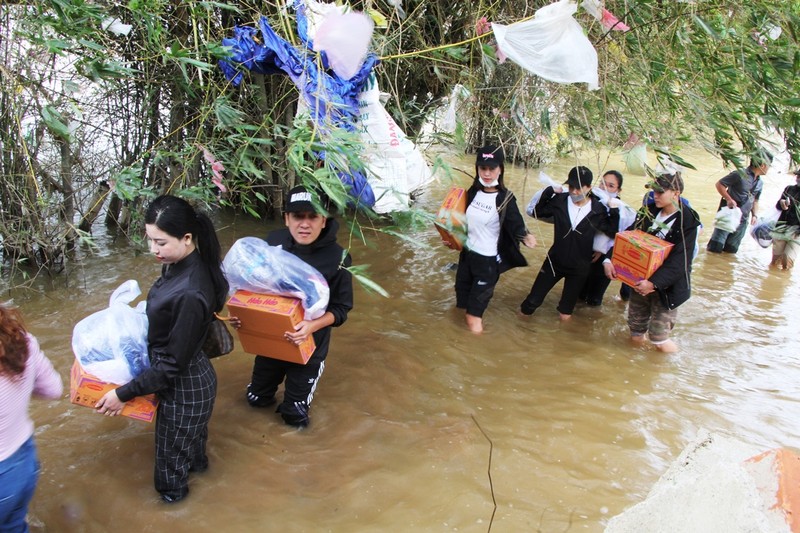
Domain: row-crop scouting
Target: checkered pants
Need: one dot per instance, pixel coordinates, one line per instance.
(182, 426)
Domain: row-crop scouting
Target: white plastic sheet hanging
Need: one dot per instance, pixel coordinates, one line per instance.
(396, 167)
(551, 45)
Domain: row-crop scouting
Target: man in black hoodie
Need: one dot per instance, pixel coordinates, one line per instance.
(311, 236)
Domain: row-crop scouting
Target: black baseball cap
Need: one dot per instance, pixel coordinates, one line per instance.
(299, 199)
(489, 156)
(667, 182)
(580, 177)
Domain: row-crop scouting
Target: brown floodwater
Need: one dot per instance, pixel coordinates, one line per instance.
(418, 425)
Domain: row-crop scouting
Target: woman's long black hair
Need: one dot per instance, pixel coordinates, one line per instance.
(176, 217)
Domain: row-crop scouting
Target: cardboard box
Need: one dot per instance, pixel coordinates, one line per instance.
(265, 318)
(637, 255)
(86, 389)
(451, 220)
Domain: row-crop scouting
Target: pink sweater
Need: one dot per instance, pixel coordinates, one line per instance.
(39, 378)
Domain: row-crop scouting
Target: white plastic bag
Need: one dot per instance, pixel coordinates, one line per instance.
(728, 219)
(636, 159)
(547, 181)
(253, 265)
(551, 45)
(344, 37)
(396, 165)
(602, 242)
(112, 344)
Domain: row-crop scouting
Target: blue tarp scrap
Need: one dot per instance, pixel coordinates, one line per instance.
(330, 99)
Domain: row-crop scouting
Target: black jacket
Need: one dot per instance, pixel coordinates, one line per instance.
(179, 309)
(572, 249)
(324, 254)
(512, 228)
(790, 216)
(672, 280)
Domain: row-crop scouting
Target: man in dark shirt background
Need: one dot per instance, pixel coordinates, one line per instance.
(742, 189)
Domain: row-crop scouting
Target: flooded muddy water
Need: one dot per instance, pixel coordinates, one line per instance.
(418, 425)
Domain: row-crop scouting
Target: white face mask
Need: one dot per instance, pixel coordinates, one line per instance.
(495, 183)
(577, 197)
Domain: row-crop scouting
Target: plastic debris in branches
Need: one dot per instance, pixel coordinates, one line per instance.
(551, 45)
(344, 38)
(606, 17)
(331, 100)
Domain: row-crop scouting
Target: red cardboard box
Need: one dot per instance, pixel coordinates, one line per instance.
(265, 318)
(452, 217)
(637, 255)
(86, 389)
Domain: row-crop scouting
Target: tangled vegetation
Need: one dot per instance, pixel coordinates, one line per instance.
(94, 119)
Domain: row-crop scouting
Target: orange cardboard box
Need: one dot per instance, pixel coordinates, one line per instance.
(86, 389)
(637, 255)
(265, 318)
(452, 217)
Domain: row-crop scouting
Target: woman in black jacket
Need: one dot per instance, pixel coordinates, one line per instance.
(653, 306)
(494, 230)
(180, 307)
(577, 217)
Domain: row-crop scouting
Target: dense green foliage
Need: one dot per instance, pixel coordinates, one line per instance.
(90, 117)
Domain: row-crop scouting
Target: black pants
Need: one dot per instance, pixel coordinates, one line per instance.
(549, 275)
(182, 427)
(476, 278)
(301, 383)
(596, 284)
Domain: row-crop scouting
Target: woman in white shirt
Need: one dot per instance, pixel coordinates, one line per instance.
(495, 229)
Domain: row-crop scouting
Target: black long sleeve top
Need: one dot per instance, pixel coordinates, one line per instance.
(572, 249)
(672, 280)
(179, 311)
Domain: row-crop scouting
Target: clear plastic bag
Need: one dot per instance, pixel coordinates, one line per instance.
(253, 265)
(627, 215)
(547, 181)
(763, 228)
(551, 45)
(112, 344)
(728, 219)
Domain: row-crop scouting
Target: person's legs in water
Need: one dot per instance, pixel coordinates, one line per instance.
(268, 373)
(301, 383)
(735, 239)
(717, 241)
(544, 282)
(486, 274)
(18, 475)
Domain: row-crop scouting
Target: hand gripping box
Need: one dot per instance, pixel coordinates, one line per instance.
(265, 318)
(86, 389)
(637, 255)
(452, 217)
